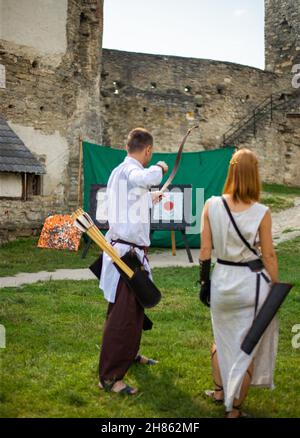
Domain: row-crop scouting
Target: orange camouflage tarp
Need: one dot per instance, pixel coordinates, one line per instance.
(59, 232)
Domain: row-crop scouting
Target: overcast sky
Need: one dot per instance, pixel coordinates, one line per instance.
(227, 30)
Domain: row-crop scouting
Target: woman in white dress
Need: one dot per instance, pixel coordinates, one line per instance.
(234, 287)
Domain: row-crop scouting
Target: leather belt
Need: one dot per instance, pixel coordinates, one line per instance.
(256, 266)
(134, 245)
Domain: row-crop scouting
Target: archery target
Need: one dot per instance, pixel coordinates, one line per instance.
(101, 209)
(170, 208)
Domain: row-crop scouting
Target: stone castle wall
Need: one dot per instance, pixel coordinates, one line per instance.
(168, 94)
(282, 35)
(277, 144)
(51, 98)
(60, 85)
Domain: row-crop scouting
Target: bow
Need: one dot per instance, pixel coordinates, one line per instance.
(178, 157)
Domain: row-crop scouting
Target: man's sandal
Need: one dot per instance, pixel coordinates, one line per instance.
(128, 390)
(108, 387)
(211, 393)
(139, 359)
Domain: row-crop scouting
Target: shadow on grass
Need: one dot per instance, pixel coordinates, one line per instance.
(164, 397)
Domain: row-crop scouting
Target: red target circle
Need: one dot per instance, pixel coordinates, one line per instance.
(168, 205)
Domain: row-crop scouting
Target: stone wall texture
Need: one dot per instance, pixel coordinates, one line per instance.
(168, 94)
(54, 97)
(56, 93)
(282, 35)
(277, 144)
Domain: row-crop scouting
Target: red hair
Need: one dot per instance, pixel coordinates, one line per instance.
(243, 180)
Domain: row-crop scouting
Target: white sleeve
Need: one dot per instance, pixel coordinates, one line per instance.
(150, 200)
(145, 177)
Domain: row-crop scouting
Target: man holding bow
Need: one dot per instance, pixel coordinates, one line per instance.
(128, 202)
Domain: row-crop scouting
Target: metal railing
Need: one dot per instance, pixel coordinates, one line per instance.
(265, 108)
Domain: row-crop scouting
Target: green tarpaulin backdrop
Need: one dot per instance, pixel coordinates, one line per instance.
(205, 169)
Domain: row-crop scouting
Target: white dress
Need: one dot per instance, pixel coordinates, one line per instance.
(233, 300)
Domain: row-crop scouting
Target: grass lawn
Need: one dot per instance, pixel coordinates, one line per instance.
(281, 189)
(49, 367)
(23, 255)
(279, 197)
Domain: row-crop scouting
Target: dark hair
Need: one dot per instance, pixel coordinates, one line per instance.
(138, 139)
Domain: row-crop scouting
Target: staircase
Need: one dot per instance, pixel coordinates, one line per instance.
(264, 111)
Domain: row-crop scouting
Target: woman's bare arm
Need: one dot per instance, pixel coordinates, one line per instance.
(206, 238)
(268, 252)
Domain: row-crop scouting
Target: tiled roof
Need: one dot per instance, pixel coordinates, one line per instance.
(14, 155)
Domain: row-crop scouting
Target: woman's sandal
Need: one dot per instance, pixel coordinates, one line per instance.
(211, 393)
(139, 359)
(108, 387)
(241, 414)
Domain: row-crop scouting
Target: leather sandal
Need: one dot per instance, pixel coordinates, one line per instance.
(128, 390)
(139, 359)
(241, 414)
(108, 387)
(211, 393)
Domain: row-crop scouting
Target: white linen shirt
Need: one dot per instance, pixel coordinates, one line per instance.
(128, 202)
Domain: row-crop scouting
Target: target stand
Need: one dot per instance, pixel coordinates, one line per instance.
(172, 213)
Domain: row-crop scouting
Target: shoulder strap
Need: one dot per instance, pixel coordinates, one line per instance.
(236, 228)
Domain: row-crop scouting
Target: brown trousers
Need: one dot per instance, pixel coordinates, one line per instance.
(122, 334)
